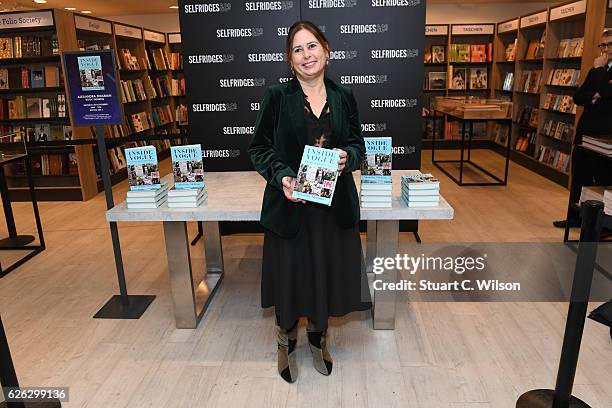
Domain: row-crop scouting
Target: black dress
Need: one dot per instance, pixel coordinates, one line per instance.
(317, 273)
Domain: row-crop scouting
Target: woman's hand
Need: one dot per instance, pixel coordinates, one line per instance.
(288, 186)
(342, 161)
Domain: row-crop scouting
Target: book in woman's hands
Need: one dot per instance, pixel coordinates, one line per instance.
(317, 175)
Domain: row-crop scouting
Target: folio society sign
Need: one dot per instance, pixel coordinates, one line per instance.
(26, 20)
(92, 86)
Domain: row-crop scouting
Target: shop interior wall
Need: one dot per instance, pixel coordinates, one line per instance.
(438, 13)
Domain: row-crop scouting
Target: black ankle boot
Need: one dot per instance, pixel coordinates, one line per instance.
(317, 341)
(287, 365)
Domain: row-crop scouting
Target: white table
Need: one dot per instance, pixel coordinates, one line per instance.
(237, 196)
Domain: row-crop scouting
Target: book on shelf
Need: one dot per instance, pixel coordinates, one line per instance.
(478, 78)
(143, 168)
(558, 130)
(160, 59)
(501, 132)
(438, 53)
(527, 114)
(539, 54)
(181, 115)
(161, 115)
(187, 166)
(427, 56)
(510, 52)
(127, 60)
(176, 61)
(554, 158)
(564, 77)
(508, 81)
(532, 49)
(478, 53)
(140, 122)
(436, 80)
(526, 142)
(461, 52)
(317, 175)
(28, 46)
(377, 165)
(570, 47)
(531, 81)
(37, 77)
(560, 103)
(178, 87)
(458, 77)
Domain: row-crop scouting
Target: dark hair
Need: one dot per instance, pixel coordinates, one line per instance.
(304, 25)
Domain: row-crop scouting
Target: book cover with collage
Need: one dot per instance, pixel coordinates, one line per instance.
(376, 168)
(317, 175)
(142, 168)
(187, 166)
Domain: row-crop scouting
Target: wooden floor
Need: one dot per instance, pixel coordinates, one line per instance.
(459, 355)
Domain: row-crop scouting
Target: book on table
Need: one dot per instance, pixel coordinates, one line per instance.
(187, 204)
(420, 181)
(146, 205)
(187, 166)
(187, 198)
(317, 175)
(143, 168)
(376, 168)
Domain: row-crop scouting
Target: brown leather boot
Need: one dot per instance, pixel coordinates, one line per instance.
(317, 340)
(287, 365)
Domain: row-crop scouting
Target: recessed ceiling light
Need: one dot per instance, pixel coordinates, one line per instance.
(85, 11)
(173, 7)
(70, 8)
(40, 1)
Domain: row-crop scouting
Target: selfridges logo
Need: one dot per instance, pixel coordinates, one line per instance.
(214, 107)
(364, 28)
(267, 57)
(211, 58)
(241, 82)
(238, 130)
(395, 3)
(392, 103)
(207, 8)
(284, 80)
(362, 79)
(324, 4)
(220, 153)
(239, 32)
(343, 55)
(395, 54)
(404, 149)
(373, 127)
(268, 5)
(284, 31)
(255, 106)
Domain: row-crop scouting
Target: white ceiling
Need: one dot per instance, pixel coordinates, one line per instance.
(133, 7)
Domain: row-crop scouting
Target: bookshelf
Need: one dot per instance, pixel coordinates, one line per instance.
(542, 131)
(450, 49)
(435, 82)
(34, 107)
(178, 76)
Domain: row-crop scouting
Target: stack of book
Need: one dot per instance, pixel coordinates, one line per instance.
(600, 144)
(376, 183)
(146, 188)
(188, 169)
(420, 190)
(594, 193)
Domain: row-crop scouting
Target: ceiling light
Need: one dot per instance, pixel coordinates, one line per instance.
(70, 8)
(85, 11)
(173, 7)
(40, 1)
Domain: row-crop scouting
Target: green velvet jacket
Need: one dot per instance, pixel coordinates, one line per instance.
(278, 143)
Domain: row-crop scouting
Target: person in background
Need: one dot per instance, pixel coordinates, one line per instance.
(595, 96)
(312, 253)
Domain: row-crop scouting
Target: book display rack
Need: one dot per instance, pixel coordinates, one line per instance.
(553, 52)
(458, 61)
(33, 108)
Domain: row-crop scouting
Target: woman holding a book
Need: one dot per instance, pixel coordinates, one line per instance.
(312, 252)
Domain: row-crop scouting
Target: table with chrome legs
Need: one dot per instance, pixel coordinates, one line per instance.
(237, 196)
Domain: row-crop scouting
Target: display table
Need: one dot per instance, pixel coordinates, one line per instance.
(468, 111)
(237, 196)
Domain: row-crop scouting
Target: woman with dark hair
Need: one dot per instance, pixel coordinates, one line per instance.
(312, 253)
